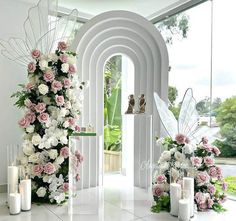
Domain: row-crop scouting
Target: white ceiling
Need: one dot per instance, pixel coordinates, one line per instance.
(145, 8)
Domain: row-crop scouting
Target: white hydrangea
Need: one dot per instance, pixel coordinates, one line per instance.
(41, 192)
(179, 156)
(43, 89)
(28, 148)
(36, 139)
(59, 160)
(166, 155)
(35, 158)
(189, 148)
(164, 167)
(43, 64)
(53, 154)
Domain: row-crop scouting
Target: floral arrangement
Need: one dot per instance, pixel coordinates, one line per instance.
(52, 108)
(181, 158)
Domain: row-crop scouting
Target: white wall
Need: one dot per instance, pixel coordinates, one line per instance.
(12, 15)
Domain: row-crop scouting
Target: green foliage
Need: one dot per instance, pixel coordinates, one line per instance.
(174, 26)
(203, 106)
(21, 96)
(161, 204)
(112, 138)
(225, 148)
(172, 94)
(231, 180)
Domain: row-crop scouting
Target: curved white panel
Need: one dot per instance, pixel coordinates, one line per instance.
(120, 32)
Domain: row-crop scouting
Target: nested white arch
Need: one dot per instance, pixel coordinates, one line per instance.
(125, 33)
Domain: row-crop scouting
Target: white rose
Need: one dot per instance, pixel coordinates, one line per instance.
(54, 141)
(28, 148)
(41, 192)
(46, 179)
(65, 67)
(59, 160)
(43, 64)
(30, 129)
(66, 124)
(68, 105)
(34, 158)
(52, 57)
(47, 100)
(188, 148)
(63, 112)
(174, 174)
(64, 139)
(43, 89)
(24, 160)
(53, 154)
(179, 156)
(166, 155)
(164, 167)
(177, 164)
(47, 144)
(36, 139)
(173, 150)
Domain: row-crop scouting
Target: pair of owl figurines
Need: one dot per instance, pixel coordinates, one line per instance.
(131, 105)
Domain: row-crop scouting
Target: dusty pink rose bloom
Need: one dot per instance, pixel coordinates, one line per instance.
(59, 100)
(207, 147)
(37, 169)
(210, 203)
(65, 187)
(43, 118)
(40, 107)
(72, 69)
(202, 178)
(211, 189)
(196, 161)
(204, 140)
(31, 67)
(49, 168)
(157, 190)
(216, 151)
(30, 116)
(71, 121)
(67, 83)
(208, 161)
(77, 128)
(63, 58)
(24, 122)
(79, 156)
(64, 152)
(199, 197)
(180, 138)
(62, 45)
(56, 86)
(29, 86)
(219, 173)
(35, 54)
(161, 179)
(213, 172)
(48, 76)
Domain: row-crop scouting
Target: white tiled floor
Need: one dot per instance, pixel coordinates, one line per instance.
(114, 202)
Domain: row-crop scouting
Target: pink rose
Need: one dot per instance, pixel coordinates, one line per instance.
(157, 190)
(79, 156)
(35, 54)
(59, 100)
(208, 161)
(216, 151)
(29, 86)
(48, 76)
(24, 122)
(40, 107)
(161, 179)
(49, 168)
(30, 116)
(43, 118)
(56, 86)
(207, 147)
(63, 58)
(29, 104)
(204, 140)
(31, 67)
(196, 161)
(65, 187)
(62, 45)
(71, 121)
(64, 152)
(199, 197)
(224, 186)
(72, 69)
(213, 172)
(37, 169)
(211, 189)
(180, 138)
(210, 203)
(67, 83)
(202, 178)
(77, 128)
(219, 173)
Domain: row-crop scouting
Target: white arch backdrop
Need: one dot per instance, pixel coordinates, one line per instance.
(126, 33)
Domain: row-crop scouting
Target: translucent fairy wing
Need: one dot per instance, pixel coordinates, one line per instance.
(188, 116)
(16, 50)
(38, 23)
(167, 118)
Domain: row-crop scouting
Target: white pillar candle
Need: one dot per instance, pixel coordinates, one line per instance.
(184, 210)
(12, 180)
(188, 184)
(175, 196)
(25, 191)
(14, 203)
